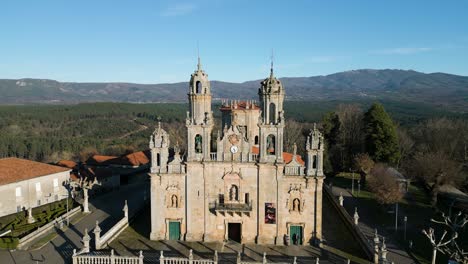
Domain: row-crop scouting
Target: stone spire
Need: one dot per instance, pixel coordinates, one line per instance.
(199, 63)
(271, 67)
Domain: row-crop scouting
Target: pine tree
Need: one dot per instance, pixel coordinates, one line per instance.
(381, 136)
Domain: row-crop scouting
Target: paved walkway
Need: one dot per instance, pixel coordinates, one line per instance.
(395, 252)
(107, 209)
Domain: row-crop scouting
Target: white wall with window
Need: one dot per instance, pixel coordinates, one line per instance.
(32, 192)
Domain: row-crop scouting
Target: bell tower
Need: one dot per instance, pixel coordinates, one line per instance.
(314, 148)
(271, 121)
(199, 120)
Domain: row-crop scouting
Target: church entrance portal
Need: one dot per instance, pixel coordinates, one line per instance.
(295, 235)
(234, 231)
(174, 230)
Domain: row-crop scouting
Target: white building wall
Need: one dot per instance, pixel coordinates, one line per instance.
(31, 194)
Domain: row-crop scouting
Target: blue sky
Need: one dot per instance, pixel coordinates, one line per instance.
(156, 41)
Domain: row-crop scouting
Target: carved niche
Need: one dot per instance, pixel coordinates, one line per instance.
(296, 202)
(232, 187)
(173, 198)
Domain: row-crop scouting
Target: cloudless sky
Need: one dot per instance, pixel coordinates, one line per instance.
(156, 41)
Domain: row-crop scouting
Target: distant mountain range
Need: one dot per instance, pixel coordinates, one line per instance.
(438, 89)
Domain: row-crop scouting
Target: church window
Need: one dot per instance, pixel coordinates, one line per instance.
(256, 140)
(198, 144)
(314, 162)
(234, 193)
(271, 148)
(272, 114)
(198, 87)
(158, 159)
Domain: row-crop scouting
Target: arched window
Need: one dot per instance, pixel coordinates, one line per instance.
(256, 140)
(198, 87)
(234, 193)
(271, 145)
(297, 205)
(314, 162)
(272, 113)
(198, 144)
(174, 201)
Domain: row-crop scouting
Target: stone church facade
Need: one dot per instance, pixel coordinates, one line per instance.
(237, 184)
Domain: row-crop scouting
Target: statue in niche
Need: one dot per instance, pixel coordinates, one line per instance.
(271, 144)
(174, 202)
(198, 144)
(234, 193)
(296, 205)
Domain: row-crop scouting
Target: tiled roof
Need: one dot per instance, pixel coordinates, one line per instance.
(133, 159)
(15, 170)
(137, 158)
(101, 158)
(67, 163)
(287, 157)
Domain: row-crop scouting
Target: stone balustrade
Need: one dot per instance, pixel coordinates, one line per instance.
(189, 260)
(106, 259)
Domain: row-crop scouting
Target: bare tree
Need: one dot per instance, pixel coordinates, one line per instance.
(351, 136)
(405, 144)
(450, 246)
(436, 169)
(384, 185)
(363, 164)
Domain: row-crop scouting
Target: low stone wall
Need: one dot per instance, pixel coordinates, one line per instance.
(45, 228)
(349, 222)
(112, 233)
(102, 241)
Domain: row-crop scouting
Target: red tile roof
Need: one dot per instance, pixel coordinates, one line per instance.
(133, 159)
(15, 170)
(67, 164)
(287, 157)
(137, 158)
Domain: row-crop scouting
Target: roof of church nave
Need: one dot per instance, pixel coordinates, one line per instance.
(287, 157)
(239, 105)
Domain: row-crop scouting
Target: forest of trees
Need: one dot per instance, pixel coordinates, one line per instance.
(422, 144)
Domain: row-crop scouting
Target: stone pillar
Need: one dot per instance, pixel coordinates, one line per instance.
(356, 216)
(85, 240)
(383, 253)
(376, 247)
(215, 258)
(190, 257)
(161, 258)
(85, 201)
(125, 209)
(140, 257)
(317, 260)
(30, 216)
(238, 260)
(112, 257)
(341, 199)
(264, 261)
(97, 236)
(74, 260)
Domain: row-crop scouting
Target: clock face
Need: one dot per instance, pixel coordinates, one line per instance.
(234, 149)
